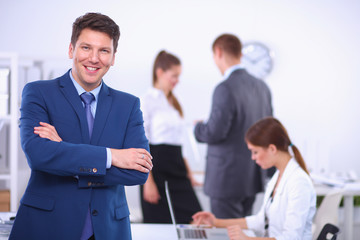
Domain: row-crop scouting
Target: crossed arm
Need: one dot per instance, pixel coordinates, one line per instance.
(133, 158)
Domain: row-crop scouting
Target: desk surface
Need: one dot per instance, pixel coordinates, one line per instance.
(139, 231)
(153, 231)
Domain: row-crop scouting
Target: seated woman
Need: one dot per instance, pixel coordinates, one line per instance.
(289, 201)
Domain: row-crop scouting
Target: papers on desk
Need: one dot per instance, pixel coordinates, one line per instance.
(349, 184)
(5, 228)
(5, 224)
(319, 178)
(352, 186)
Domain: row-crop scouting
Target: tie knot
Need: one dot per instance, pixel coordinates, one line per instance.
(87, 98)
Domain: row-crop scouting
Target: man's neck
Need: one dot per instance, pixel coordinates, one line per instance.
(228, 63)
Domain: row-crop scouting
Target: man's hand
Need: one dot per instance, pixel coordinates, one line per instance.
(133, 158)
(48, 131)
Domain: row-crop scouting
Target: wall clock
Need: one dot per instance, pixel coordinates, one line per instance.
(257, 59)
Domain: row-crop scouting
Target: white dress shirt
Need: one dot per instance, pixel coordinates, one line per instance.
(231, 69)
(292, 210)
(162, 122)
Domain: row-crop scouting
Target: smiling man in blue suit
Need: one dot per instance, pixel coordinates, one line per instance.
(84, 141)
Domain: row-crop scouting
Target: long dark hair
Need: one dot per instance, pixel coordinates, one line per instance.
(270, 131)
(165, 61)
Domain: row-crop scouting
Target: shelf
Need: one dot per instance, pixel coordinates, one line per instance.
(10, 60)
(5, 176)
(5, 117)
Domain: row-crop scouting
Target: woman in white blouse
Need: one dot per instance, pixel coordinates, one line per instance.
(164, 125)
(289, 201)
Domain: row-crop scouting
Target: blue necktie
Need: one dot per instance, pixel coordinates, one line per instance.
(88, 98)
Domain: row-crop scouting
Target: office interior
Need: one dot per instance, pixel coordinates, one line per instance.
(314, 79)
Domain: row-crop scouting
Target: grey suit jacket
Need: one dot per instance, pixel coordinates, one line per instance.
(238, 102)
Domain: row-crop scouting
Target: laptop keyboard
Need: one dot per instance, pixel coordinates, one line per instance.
(195, 233)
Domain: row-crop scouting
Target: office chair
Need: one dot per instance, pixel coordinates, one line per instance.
(329, 232)
(327, 212)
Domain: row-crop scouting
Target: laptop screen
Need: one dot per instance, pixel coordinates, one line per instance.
(169, 203)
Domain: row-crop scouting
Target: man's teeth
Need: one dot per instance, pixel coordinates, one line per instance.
(91, 68)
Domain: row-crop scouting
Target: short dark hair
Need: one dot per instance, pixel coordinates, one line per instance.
(229, 43)
(96, 22)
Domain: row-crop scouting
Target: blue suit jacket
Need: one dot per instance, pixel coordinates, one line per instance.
(55, 203)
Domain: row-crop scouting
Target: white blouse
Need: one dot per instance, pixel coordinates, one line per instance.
(162, 122)
(292, 210)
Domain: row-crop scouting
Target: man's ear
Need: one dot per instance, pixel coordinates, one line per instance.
(113, 60)
(217, 51)
(71, 51)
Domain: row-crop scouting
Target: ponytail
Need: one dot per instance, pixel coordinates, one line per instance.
(298, 157)
(175, 103)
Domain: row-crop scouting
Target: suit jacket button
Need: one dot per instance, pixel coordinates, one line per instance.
(94, 170)
(94, 213)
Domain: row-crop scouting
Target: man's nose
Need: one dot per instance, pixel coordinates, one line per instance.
(94, 57)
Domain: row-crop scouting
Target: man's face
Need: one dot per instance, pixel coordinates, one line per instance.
(93, 55)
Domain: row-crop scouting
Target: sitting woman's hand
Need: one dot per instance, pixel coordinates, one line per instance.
(204, 218)
(235, 233)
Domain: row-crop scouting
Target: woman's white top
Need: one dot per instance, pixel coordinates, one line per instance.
(162, 122)
(292, 210)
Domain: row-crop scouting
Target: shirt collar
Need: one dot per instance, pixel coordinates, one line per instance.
(289, 171)
(81, 90)
(231, 69)
(155, 92)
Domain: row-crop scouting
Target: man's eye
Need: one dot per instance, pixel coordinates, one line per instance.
(85, 48)
(105, 51)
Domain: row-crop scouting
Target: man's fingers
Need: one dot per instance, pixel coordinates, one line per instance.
(143, 151)
(142, 169)
(145, 160)
(145, 164)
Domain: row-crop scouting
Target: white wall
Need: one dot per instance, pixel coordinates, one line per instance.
(315, 81)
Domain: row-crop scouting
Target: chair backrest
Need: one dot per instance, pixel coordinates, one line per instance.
(328, 211)
(328, 232)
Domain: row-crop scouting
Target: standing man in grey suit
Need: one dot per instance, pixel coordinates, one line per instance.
(232, 179)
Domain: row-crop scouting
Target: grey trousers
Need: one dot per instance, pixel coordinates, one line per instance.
(232, 207)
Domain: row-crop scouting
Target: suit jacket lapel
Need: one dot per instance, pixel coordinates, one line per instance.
(102, 112)
(70, 93)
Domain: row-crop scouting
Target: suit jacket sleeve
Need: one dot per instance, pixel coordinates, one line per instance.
(222, 113)
(58, 158)
(134, 138)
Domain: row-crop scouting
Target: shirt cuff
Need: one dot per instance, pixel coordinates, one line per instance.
(108, 158)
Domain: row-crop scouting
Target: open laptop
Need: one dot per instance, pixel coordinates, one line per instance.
(192, 232)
